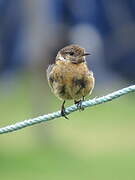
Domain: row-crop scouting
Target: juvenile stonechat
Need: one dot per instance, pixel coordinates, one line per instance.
(69, 77)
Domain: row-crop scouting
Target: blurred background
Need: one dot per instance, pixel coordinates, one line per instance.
(96, 144)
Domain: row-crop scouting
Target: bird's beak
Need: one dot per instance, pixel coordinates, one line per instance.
(86, 54)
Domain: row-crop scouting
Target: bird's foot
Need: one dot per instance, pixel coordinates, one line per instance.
(79, 105)
(63, 112)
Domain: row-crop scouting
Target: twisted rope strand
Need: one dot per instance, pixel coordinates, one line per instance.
(51, 116)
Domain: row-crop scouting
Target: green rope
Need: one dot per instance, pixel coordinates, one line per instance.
(48, 117)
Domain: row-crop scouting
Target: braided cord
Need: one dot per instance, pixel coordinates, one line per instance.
(51, 116)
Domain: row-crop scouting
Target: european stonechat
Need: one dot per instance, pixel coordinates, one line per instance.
(69, 77)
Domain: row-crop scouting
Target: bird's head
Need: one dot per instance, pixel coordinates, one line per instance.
(72, 53)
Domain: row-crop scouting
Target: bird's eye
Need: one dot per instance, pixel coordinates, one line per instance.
(71, 53)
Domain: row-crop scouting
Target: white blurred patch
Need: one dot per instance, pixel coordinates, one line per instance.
(61, 57)
(88, 37)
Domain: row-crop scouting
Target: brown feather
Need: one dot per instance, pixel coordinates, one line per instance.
(70, 81)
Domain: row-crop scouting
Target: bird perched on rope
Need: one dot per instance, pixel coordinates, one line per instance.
(69, 77)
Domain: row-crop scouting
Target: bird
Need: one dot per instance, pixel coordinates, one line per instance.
(69, 77)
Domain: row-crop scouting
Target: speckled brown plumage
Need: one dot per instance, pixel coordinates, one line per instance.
(71, 81)
(70, 78)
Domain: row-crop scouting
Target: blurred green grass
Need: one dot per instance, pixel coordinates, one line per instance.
(56, 164)
(95, 144)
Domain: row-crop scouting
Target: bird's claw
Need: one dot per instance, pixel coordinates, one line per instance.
(79, 105)
(63, 112)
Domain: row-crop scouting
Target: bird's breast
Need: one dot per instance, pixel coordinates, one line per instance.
(72, 81)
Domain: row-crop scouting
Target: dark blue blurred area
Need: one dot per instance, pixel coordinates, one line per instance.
(10, 35)
(82, 12)
(112, 20)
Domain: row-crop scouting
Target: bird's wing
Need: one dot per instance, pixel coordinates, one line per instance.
(50, 74)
